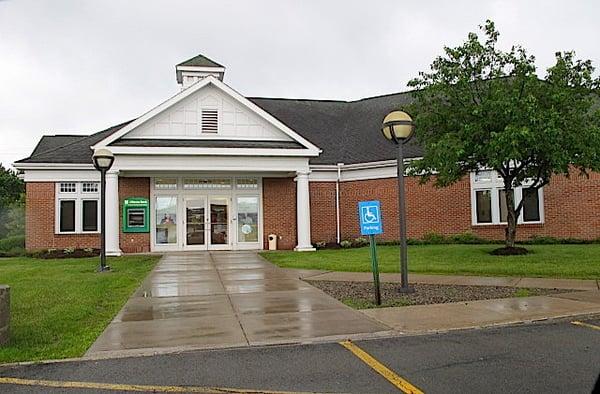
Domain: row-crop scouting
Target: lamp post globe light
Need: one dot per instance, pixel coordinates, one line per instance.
(398, 127)
(103, 160)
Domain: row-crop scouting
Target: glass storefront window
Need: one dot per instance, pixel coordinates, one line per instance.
(246, 183)
(206, 183)
(247, 222)
(165, 183)
(166, 220)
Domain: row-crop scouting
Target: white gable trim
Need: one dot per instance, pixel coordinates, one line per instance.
(313, 150)
(184, 151)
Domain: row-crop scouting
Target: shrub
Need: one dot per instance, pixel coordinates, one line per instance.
(346, 244)
(360, 242)
(467, 238)
(321, 244)
(435, 238)
(544, 240)
(14, 242)
(54, 253)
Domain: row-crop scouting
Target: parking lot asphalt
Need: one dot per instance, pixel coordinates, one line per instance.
(550, 357)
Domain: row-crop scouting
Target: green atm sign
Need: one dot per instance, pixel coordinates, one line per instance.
(136, 215)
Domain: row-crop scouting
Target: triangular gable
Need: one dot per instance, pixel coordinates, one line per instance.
(178, 116)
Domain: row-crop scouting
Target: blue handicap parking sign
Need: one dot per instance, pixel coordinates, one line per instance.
(369, 213)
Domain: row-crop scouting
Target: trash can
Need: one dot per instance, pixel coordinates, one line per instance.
(272, 242)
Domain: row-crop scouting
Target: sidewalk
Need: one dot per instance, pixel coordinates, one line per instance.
(583, 300)
(544, 283)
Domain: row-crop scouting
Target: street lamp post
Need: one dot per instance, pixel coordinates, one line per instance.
(398, 127)
(103, 160)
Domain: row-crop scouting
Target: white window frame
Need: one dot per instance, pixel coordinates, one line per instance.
(78, 196)
(495, 184)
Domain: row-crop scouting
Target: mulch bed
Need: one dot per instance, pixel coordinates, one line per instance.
(360, 295)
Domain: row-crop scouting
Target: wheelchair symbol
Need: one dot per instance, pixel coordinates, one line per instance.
(370, 214)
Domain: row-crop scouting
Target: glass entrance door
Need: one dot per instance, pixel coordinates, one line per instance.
(219, 223)
(195, 223)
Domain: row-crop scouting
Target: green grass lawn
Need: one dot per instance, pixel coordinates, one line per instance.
(554, 261)
(59, 307)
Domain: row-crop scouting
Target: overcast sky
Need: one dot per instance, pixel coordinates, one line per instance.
(78, 67)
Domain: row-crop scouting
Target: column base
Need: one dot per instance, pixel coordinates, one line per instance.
(114, 253)
(308, 248)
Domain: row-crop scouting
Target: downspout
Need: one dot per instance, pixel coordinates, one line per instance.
(337, 203)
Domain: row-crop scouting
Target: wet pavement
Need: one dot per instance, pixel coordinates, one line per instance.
(484, 313)
(224, 299)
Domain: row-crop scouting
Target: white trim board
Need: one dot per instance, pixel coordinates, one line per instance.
(355, 172)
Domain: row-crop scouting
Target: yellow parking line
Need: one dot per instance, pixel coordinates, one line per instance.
(588, 325)
(132, 387)
(381, 369)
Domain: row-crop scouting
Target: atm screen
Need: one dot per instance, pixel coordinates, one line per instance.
(136, 218)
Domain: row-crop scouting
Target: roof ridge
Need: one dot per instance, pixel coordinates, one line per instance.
(66, 135)
(299, 99)
(333, 100)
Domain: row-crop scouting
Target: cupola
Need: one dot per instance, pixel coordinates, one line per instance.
(196, 68)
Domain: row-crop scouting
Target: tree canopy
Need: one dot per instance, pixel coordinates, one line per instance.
(480, 107)
(12, 190)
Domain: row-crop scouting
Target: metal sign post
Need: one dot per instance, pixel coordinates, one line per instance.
(369, 213)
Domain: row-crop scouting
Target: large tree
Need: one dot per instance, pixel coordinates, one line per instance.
(11, 199)
(480, 107)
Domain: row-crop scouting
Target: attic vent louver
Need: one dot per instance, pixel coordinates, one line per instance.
(210, 121)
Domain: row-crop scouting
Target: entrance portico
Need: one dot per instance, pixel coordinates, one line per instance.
(204, 210)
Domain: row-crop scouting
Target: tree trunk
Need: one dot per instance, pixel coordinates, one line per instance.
(511, 228)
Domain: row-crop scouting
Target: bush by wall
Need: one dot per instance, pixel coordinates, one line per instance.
(12, 246)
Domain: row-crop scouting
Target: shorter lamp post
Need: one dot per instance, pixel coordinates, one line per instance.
(103, 160)
(398, 127)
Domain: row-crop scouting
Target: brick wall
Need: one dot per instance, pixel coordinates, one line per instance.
(133, 187)
(322, 212)
(279, 211)
(571, 205)
(39, 221)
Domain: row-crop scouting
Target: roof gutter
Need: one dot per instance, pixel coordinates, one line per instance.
(53, 166)
(359, 166)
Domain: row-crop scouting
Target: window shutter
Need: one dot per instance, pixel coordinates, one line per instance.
(210, 121)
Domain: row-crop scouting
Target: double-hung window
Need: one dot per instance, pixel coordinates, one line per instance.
(77, 207)
(488, 200)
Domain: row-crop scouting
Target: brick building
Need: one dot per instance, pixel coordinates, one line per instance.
(218, 170)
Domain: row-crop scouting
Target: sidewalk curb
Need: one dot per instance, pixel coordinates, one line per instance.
(311, 341)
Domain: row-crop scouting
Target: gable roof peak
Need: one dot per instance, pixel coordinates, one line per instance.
(192, 70)
(200, 61)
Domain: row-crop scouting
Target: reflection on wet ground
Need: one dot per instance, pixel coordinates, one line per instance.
(216, 299)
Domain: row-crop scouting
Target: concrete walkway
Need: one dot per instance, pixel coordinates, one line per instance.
(486, 313)
(475, 314)
(544, 283)
(224, 299)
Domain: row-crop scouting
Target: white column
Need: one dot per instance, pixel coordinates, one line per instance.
(112, 214)
(303, 212)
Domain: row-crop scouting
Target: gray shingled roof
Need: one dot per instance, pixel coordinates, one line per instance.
(75, 152)
(347, 132)
(50, 142)
(199, 61)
